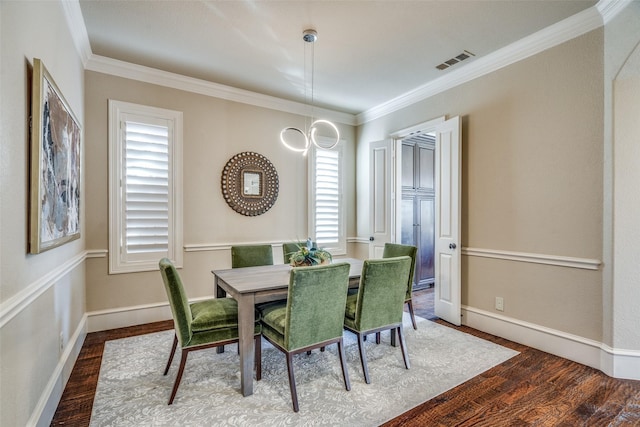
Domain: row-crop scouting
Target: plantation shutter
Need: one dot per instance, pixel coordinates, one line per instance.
(327, 197)
(146, 188)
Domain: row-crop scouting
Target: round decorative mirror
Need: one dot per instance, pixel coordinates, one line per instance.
(249, 183)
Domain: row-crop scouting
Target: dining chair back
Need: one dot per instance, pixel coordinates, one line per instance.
(199, 325)
(251, 255)
(311, 317)
(378, 305)
(394, 250)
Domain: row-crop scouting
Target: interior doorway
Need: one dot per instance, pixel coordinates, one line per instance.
(417, 210)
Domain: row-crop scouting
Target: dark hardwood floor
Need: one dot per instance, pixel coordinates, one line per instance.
(531, 389)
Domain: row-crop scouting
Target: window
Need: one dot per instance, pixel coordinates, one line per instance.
(326, 207)
(145, 187)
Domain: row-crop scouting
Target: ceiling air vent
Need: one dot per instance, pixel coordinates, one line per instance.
(453, 61)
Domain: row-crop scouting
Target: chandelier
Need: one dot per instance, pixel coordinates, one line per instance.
(309, 136)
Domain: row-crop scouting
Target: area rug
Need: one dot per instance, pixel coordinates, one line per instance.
(132, 391)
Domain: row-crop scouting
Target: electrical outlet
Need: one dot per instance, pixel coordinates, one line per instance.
(499, 303)
(61, 342)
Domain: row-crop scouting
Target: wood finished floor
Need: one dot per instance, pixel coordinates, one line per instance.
(531, 389)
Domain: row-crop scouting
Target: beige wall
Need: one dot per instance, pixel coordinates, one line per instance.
(39, 299)
(214, 131)
(532, 181)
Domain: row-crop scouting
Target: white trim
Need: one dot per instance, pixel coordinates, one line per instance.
(127, 70)
(361, 240)
(97, 253)
(618, 363)
(102, 320)
(610, 8)
(122, 261)
(574, 26)
(18, 302)
(421, 127)
(561, 261)
(75, 24)
(46, 406)
(567, 29)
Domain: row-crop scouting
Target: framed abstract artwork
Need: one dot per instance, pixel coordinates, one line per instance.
(55, 166)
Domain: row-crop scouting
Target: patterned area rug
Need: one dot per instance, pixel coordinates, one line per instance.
(133, 392)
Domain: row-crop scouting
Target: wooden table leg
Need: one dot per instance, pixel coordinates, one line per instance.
(220, 293)
(246, 320)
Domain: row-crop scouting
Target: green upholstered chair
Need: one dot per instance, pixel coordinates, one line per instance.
(378, 305)
(311, 317)
(251, 255)
(394, 250)
(202, 324)
(290, 248)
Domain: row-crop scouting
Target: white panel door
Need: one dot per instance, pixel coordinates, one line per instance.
(447, 293)
(381, 201)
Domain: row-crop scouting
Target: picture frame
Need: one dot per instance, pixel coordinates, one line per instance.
(56, 138)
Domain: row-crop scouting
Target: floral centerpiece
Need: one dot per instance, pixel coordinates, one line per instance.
(309, 255)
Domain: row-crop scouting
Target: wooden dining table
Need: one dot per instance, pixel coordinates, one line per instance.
(254, 285)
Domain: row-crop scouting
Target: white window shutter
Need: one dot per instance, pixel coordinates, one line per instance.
(327, 198)
(146, 188)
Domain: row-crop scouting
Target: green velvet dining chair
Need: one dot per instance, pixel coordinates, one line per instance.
(251, 255)
(199, 325)
(378, 304)
(394, 250)
(311, 317)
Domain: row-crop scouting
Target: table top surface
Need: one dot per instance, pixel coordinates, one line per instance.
(270, 277)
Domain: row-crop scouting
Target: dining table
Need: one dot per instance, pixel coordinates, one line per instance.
(254, 285)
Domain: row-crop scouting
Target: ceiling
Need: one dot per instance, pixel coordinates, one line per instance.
(367, 52)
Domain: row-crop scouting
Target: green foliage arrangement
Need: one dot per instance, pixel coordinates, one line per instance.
(306, 255)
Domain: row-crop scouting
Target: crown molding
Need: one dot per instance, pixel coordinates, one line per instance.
(141, 73)
(567, 29)
(608, 9)
(572, 27)
(75, 23)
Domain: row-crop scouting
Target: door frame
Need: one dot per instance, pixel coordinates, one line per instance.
(447, 294)
(397, 137)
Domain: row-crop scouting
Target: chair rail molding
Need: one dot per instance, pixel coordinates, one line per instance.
(18, 302)
(560, 261)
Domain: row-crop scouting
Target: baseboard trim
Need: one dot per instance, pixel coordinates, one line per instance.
(103, 320)
(617, 363)
(48, 403)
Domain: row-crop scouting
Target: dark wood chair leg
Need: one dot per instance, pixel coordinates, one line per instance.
(173, 351)
(308, 352)
(183, 361)
(403, 346)
(378, 334)
(363, 359)
(343, 363)
(292, 383)
(258, 357)
(413, 317)
(322, 349)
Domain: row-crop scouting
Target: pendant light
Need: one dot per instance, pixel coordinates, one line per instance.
(309, 136)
